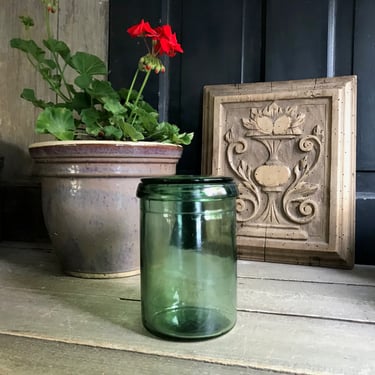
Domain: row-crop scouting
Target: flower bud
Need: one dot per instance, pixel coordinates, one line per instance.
(51, 8)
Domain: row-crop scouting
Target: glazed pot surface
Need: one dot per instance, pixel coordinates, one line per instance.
(89, 201)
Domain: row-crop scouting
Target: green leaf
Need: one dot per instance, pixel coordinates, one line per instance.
(83, 81)
(27, 21)
(130, 132)
(28, 46)
(112, 132)
(183, 139)
(124, 94)
(80, 101)
(50, 63)
(87, 64)
(29, 95)
(101, 89)
(90, 117)
(169, 133)
(147, 107)
(113, 106)
(59, 47)
(56, 121)
(145, 122)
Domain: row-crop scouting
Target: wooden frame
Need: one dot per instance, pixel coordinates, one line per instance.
(290, 146)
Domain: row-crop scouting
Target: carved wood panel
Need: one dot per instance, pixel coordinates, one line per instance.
(290, 146)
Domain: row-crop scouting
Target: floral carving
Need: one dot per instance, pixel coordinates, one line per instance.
(274, 194)
(274, 120)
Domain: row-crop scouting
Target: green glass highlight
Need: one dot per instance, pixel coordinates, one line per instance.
(188, 255)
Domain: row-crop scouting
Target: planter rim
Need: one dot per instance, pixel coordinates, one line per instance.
(95, 142)
(89, 150)
(104, 158)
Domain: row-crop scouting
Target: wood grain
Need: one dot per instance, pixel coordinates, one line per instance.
(56, 358)
(321, 325)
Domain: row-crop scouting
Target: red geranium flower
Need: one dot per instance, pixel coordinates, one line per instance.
(142, 29)
(167, 41)
(159, 41)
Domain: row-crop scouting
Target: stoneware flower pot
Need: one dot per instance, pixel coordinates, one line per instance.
(89, 200)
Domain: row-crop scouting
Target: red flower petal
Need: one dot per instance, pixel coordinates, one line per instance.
(142, 29)
(167, 41)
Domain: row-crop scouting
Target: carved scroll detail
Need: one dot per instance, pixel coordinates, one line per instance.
(297, 195)
(248, 201)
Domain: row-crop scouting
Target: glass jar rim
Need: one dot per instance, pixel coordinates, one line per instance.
(186, 187)
(186, 179)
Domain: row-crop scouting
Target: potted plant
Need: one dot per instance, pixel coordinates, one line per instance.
(106, 139)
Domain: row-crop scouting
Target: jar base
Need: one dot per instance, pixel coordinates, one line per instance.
(189, 323)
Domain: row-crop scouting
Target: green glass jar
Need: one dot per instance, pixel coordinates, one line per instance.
(188, 255)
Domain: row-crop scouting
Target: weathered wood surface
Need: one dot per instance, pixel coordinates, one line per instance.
(83, 24)
(291, 319)
(50, 357)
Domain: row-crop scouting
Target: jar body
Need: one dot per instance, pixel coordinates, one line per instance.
(188, 257)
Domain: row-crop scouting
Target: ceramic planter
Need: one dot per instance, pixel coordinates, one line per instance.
(89, 200)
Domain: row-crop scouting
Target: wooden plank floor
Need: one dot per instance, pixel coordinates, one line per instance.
(291, 320)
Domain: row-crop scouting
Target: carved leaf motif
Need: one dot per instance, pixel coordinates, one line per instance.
(272, 110)
(274, 120)
(244, 170)
(299, 119)
(291, 111)
(229, 136)
(301, 167)
(318, 132)
(303, 190)
(281, 125)
(265, 125)
(248, 201)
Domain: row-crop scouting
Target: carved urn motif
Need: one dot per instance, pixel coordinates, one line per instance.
(276, 197)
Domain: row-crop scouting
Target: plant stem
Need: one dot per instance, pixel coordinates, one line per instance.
(56, 59)
(132, 86)
(46, 20)
(37, 66)
(140, 93)
(142, 87)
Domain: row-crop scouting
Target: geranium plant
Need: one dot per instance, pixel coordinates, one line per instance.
(88, 106)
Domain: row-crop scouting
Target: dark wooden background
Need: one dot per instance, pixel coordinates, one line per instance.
(235, 41)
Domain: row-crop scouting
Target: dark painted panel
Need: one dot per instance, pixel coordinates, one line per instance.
(364, 67)
(296, 39)
(211, 35)
(344, 37)
(366, 182)
(365, 218)
(365, 233)
(253, 41)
